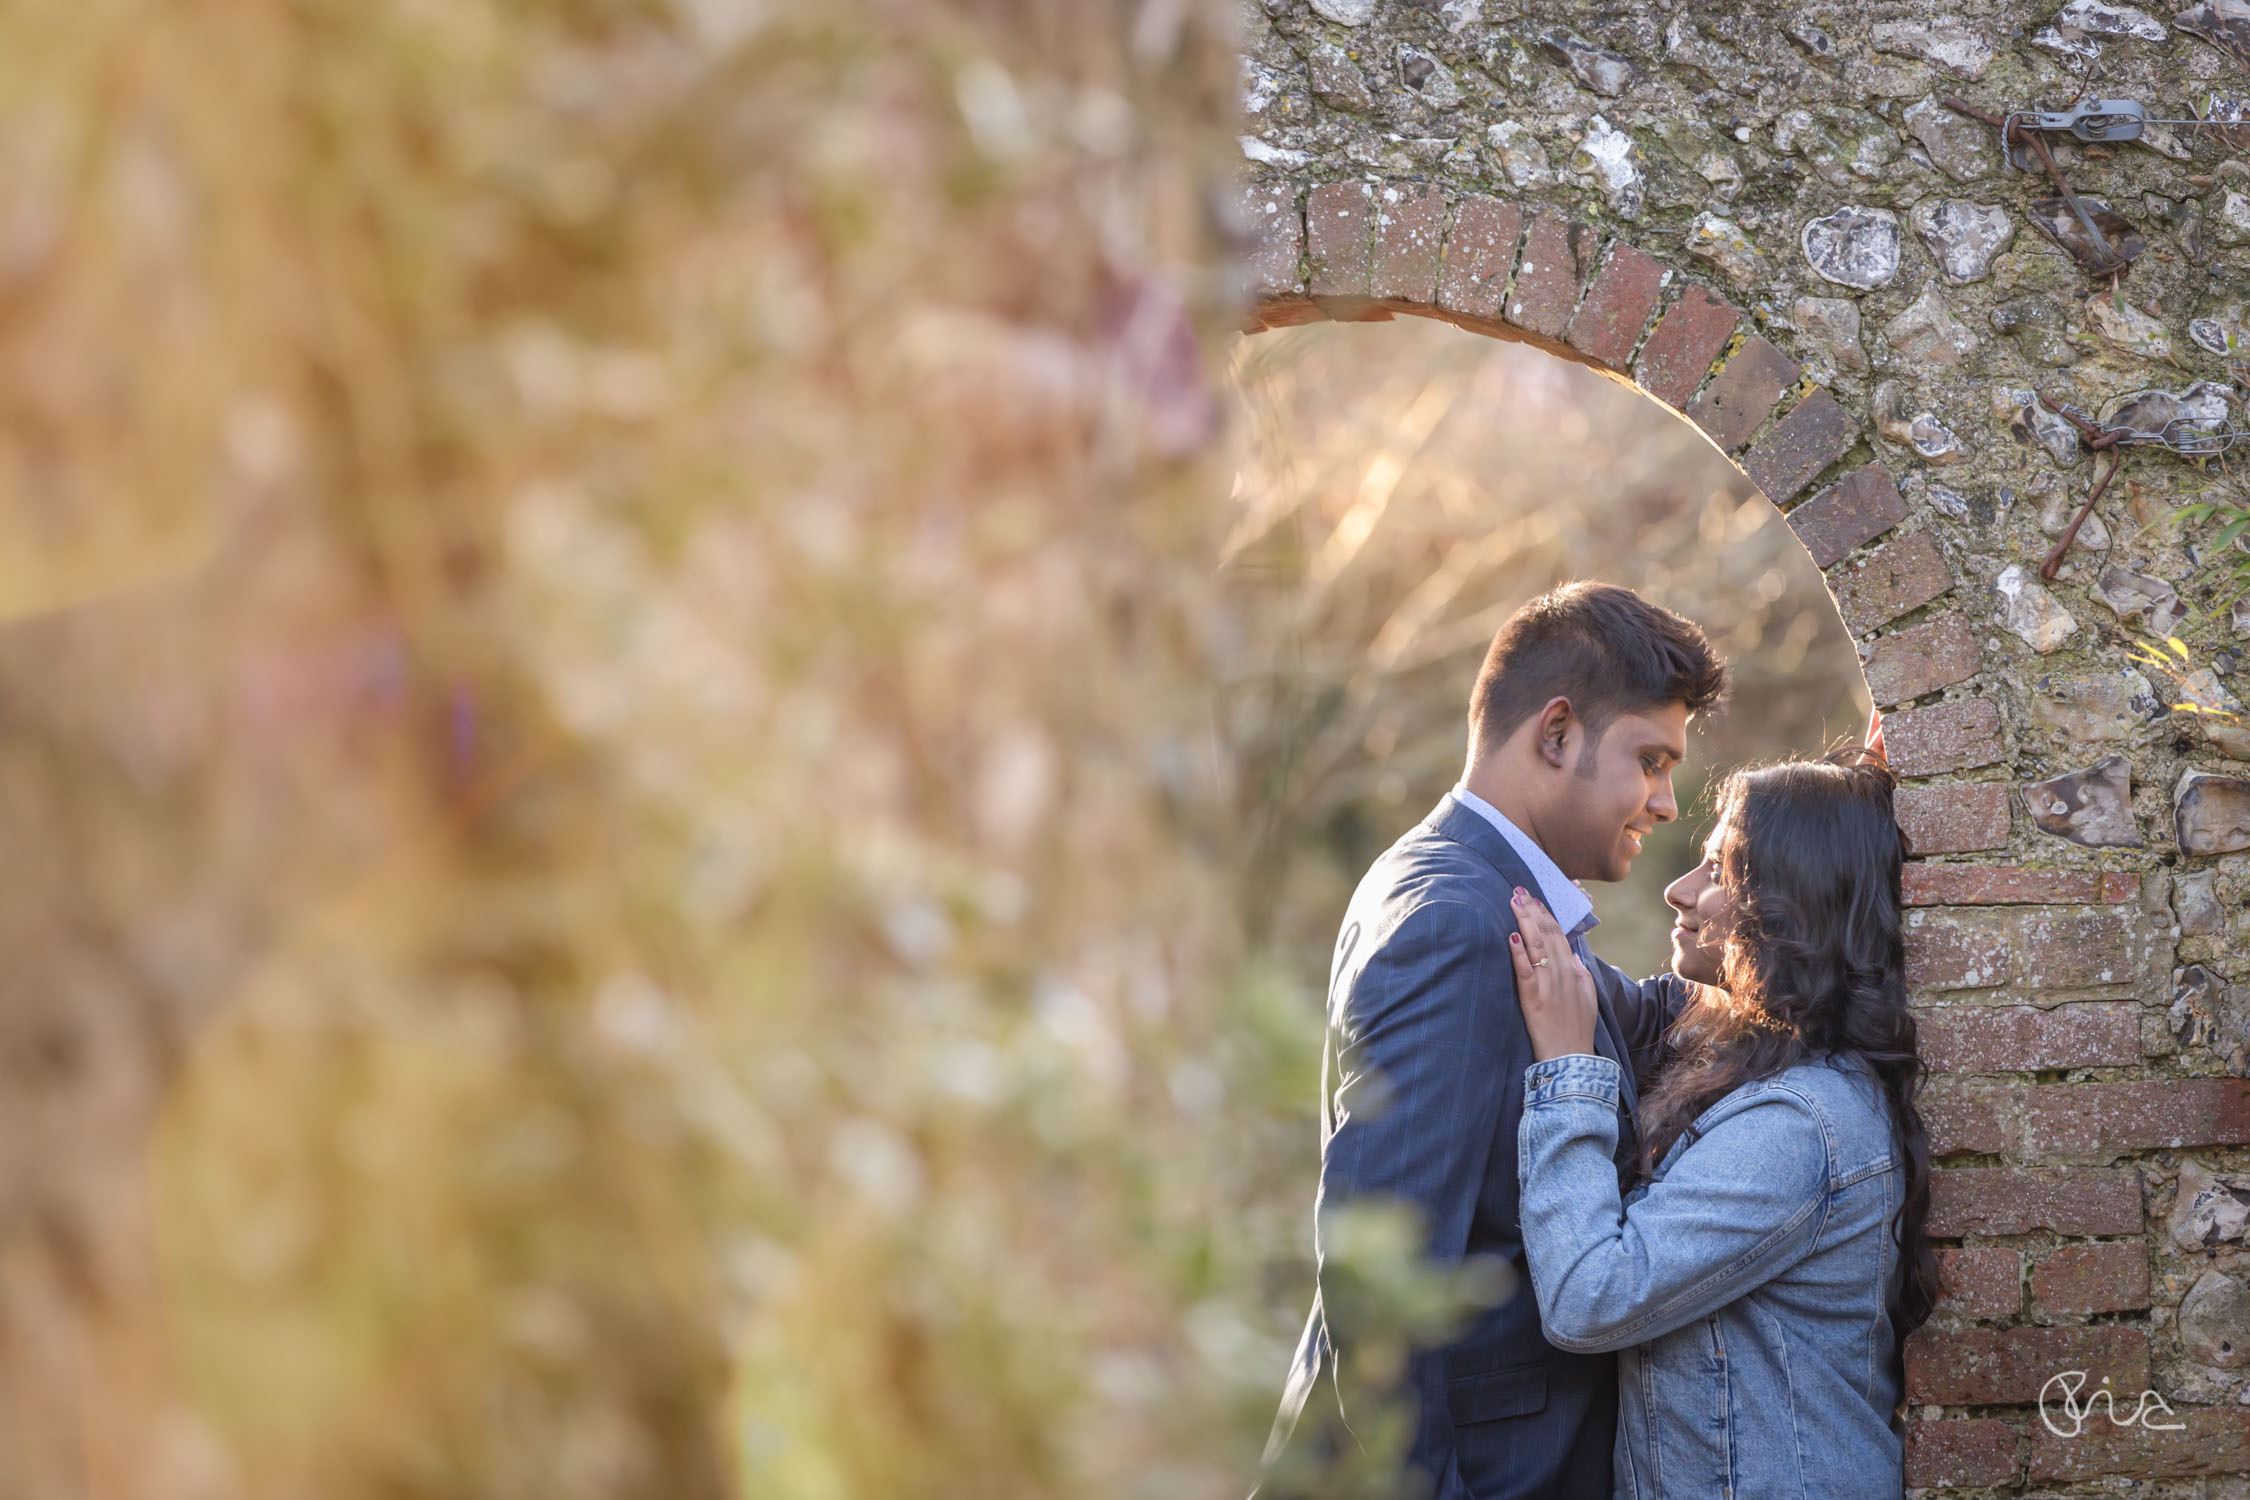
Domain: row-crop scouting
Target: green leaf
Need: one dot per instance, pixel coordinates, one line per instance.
(2233, 529)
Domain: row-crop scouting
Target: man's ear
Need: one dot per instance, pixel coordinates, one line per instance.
(1557, 732)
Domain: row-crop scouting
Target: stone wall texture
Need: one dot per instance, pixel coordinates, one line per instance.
(1768, 216)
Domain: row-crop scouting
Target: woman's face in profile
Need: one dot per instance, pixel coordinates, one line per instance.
(1703, 913)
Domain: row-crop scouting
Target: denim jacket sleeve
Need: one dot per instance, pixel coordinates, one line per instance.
(1741, 1204)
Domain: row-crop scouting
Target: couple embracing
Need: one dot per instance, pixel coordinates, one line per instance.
(1711, 1186)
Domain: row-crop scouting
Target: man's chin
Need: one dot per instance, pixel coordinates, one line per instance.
(1609, 869)
(1629, 849)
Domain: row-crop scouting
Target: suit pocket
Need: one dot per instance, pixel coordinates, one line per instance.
(1495, 1394)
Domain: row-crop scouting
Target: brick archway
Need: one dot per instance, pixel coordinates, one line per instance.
(1351, 252)
(2077, 924)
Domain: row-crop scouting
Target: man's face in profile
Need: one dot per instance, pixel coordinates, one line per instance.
(1619, 789)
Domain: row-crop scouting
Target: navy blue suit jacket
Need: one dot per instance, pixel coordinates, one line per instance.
(1421, 1093)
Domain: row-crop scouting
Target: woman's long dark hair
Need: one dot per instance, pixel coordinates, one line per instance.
(1810, 852)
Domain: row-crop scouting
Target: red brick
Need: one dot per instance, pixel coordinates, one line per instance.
(1479, 253)
(2214, 1440)
(1339, 224)
(1960, 1455)
(1980, 1283)
(1944, 737)
(2014, 885)
(2084, 1121)
(1277, 240)
(1609, 322)
(1921, 659)
(2026, 1039)
(1886, 583)
(1743, 393)
(1998, 1366)
(1953, 817)
(1971, 1120)
(2038, 947)
(2009, 1200)
(1554, 261)
(1856, 509)
(2092, 1278)
(2109, 1119)
(2072, 949)
(1409, 236)
(1943, 953)
(1792, 454)
(1687, 338)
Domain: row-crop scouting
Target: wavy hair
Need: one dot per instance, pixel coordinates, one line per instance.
(1810, 852)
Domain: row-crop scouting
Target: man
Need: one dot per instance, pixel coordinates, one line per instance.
(1575, 725)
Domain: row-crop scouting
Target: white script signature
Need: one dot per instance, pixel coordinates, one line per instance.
(2076, 1409)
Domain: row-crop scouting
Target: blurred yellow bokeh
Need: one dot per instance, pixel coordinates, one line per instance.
(682, 731)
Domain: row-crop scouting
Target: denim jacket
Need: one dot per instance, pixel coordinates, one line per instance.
(1746, 1287)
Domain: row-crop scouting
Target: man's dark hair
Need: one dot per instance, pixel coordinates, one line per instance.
(1605, 648)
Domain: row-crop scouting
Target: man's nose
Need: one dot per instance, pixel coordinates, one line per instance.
(1664, 806)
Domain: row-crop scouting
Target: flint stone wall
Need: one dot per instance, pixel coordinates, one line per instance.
(1766, 216)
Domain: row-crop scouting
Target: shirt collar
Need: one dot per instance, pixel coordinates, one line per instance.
(1573, 911)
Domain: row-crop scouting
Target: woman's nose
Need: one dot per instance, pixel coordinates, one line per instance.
(1675, 895)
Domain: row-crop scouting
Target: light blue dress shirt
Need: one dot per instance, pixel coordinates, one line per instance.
(1574, 913)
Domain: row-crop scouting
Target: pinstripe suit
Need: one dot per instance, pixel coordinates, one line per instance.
(1421, 1095)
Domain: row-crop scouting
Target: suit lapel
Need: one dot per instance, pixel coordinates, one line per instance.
(1463, 825)
(1606, 1043)
(1605, 1026)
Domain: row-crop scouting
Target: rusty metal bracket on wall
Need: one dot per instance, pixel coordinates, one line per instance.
(2023, 134)
(2102, 120)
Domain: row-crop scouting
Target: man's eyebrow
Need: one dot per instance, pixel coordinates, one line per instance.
(1658, 747)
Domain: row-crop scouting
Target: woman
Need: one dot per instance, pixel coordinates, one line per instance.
(1761, 1275)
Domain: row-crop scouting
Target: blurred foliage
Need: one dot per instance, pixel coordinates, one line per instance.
(598, 587)
(612, 618)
